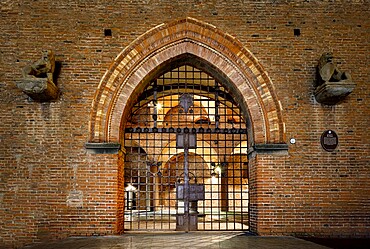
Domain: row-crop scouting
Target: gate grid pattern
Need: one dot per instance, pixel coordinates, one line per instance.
(186, 102)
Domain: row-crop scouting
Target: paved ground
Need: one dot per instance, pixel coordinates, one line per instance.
(195, 240)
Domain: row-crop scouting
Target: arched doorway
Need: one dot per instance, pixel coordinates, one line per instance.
(186, 155)
(206, 48)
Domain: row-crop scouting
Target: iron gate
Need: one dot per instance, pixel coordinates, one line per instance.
(186, 156)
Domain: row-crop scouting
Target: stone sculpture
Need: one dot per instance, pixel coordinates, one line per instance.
(38, 78)
(332, 85)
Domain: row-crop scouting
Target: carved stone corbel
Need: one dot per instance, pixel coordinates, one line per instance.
(37, 80)
(332, 84)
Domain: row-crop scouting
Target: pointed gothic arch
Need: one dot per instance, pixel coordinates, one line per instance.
(206, 47)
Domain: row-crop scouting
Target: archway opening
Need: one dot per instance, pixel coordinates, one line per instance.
(186, 125)
(203, 46)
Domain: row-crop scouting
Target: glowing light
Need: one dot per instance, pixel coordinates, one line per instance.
(159, 106)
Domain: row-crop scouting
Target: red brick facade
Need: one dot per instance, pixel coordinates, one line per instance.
(267, 51)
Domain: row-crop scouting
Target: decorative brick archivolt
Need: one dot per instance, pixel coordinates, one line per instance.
(130, 71)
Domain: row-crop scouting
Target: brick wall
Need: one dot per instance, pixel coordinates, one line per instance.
(51, 188)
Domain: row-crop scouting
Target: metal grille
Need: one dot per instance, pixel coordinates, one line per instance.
(186, 156)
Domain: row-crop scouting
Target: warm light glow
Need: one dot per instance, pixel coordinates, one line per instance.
(159, 106)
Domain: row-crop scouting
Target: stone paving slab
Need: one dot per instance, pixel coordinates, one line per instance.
(195, 240)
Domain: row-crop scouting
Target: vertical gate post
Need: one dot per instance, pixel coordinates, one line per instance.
(186, 181)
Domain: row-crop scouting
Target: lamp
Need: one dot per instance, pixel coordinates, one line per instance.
(217, 169)
(130, 188)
